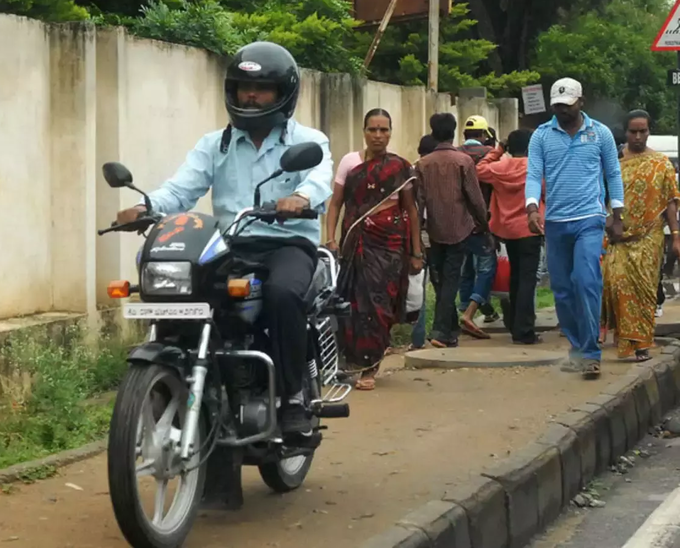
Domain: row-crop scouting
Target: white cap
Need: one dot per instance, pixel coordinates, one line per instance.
(566, 91)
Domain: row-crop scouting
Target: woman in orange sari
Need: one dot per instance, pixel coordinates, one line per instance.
(632, 264)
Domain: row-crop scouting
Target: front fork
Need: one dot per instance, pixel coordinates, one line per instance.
(197, 383)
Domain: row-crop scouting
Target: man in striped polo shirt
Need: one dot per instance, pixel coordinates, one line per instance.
(575, 155)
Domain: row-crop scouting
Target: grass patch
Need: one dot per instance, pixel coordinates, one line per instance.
(401, 334)
(44, 408)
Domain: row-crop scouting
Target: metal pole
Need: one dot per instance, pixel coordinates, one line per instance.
(678, 110)
(379, 33)
(433, 47)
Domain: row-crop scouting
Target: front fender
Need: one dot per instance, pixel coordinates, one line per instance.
(160, 354)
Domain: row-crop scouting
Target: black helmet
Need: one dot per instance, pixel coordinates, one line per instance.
(269, 63)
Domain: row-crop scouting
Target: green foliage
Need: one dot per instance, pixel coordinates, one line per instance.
(608, 50)
(205, 25)
(57, 413)
(402, 56)
(47, 10)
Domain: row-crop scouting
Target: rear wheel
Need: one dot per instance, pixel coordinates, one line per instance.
(146, 427)
(285, 475)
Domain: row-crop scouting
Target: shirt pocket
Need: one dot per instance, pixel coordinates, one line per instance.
(280, 187)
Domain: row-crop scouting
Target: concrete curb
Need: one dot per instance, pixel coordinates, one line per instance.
(505, 506)
(24, 470)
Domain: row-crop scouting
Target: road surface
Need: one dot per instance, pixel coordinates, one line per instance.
(406, 443)
(642, 506)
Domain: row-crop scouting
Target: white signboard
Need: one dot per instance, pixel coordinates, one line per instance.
(668, 38)
(534, 100)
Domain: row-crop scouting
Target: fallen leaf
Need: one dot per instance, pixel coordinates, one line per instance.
(364, 516)
(74, 486)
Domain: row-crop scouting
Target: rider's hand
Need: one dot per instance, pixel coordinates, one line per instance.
(332, 246)
(535, 222)
(130, 215)
(292, 205)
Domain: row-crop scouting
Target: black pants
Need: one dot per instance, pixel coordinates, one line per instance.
(446, 262)
(291, 264)
(524, 255)
(669, 258)
(660, 293)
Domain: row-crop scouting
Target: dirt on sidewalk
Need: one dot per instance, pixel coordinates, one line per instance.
(416, 435)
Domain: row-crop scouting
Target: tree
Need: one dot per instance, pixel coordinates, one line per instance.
(608, 50)
(402, 56)
(47, 10)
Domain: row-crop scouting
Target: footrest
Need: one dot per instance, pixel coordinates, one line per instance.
(334, 411)
(337, 392)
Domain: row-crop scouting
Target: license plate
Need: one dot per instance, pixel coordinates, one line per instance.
(167, 311)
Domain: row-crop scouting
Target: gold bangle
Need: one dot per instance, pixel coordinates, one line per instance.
(675, 232)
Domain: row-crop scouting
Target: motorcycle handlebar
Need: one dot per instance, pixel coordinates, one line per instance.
(139, 225)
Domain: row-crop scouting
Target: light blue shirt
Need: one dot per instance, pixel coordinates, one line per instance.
(234, 175)
(574, 169)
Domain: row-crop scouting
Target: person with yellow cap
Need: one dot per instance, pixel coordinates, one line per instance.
(478, 270)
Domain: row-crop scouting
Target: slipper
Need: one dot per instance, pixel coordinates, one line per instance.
(591, 370)
(469, 328)
(642, 355)
(365, 384)
(438, 344)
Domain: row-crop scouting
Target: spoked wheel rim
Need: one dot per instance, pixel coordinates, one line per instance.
(159, 428)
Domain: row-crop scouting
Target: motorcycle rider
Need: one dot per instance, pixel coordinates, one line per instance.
(261, 89)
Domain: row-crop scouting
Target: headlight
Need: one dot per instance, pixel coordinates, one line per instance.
(166, 278)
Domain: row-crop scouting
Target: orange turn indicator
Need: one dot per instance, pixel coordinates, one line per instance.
(239, 288)
(119, 289)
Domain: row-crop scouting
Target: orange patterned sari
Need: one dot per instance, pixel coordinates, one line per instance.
(631, 267)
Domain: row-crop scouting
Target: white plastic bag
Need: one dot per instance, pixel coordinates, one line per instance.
(414, 297)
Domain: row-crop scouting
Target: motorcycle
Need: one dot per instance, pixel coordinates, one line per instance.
(199, 399)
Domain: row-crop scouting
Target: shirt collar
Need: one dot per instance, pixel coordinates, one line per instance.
(272, 139)
(587, 123)
(445, 146)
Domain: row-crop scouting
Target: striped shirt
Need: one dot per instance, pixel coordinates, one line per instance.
(574, 169)
(447, 185)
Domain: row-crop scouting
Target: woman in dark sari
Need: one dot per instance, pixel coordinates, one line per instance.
(379, 247)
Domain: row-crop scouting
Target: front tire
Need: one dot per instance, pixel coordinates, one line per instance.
(147, 420)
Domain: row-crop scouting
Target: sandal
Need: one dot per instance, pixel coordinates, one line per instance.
(365, 384)
(642, 355)
(469, 328)
(591, 369)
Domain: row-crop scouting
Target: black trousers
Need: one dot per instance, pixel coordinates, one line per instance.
(660, 293)
(291, 264)
(524, 255)
(446, 262)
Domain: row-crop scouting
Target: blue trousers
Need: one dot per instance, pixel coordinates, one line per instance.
(573, 249)
(477, 276)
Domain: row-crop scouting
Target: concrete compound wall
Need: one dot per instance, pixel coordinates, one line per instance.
(73, 97)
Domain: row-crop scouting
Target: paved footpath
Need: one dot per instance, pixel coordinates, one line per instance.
(420, 433)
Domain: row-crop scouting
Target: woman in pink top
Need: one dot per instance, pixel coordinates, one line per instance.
(507, 175)
(379, 247)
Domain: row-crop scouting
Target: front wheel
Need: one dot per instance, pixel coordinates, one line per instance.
(146, 427)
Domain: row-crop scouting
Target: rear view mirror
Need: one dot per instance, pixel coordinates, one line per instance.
(117, 175)
(301, 157)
